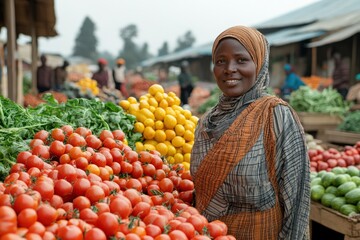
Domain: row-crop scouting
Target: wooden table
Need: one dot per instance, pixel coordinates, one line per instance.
(336, 136)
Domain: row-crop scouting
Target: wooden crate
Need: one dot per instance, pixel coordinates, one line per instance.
(318, 121)
(336, 136)
(336, 221)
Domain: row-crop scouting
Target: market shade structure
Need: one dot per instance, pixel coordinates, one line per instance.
(34, 18)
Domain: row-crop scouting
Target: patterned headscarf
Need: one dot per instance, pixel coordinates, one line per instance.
(229, 108)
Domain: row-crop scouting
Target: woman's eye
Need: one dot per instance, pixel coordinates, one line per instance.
(220, 61)
(241, 60)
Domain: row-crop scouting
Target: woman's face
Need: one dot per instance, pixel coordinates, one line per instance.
(234, 70)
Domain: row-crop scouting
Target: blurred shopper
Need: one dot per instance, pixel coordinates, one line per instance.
(341, 75)
(354, 91)
(60, 76)
(185, 82)
(102, 74)
(119, 75)
(249, 161)
(292, 82)
(45, 76)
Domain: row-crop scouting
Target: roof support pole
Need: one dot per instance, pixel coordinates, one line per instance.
(313, 60)
(11, 48)
(353, 58)
(34, 48)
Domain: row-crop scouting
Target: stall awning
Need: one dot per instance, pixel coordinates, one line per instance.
(336, 36)
(288, 36)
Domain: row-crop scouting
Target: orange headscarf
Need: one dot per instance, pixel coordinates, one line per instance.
(250, 38)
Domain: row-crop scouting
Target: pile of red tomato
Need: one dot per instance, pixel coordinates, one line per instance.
(330, 158)
(74, 185)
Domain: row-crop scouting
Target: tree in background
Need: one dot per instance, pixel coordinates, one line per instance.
(86, 41)
(185, 41)
(164, 49)
(130, 50)
(144, 52)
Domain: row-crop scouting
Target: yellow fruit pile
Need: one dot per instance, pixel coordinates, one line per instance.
(164, 124)
(88, 84)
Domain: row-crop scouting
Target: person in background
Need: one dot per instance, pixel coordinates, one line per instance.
(249, 161)
(185, 82)
(45, 76)
(292, 82)
(341, 75)
(119, 75)
(102, 74)
(60, 76)
(354, 92)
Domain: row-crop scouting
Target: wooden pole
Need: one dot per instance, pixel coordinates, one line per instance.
(34, 49)
(353, 59)
(313, 60)
(11, 41)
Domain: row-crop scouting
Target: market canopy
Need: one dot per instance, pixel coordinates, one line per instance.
(42, 11)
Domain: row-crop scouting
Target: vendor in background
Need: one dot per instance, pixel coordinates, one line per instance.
(292, 82)
(119, 75)
(101, 75)
(60, 75)
(354, 91)
(341, 75)
(185, 82)
(45, 76)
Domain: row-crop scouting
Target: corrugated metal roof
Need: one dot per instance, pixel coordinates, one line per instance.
(192, 52)
(325, 9)
(337, 36)
(288, 36)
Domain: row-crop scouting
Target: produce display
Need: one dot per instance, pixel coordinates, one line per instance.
(327, 101)
(19, 124)
(351, 122)
(338, 189)
(165, 126)
(312, 143)
(72, 184)
(331, 158)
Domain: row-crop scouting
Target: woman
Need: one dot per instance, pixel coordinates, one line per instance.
(249, 160)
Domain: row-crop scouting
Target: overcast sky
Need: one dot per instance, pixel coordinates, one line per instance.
(157, 20)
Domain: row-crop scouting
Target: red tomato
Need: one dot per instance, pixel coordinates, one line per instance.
(108, 223)
(23, 156)
(105, 134)
(198, 221)
(70, 232)
(153, 230)
(121, 206)
(186, 185)
(46, 214)
(34, 161)
(95, 193)
(83, 131)
(63, 188)
(67, 172)
(141, 209)
(24, 201)
(58, 134)
(126, 167)
(45, 188)
(217, 228)
(88, 216)
(68, 130)
(37, 228)
(98, 159)
(131, 156)
(42, 135)
(149, 170)
(145, 157)
(117, 155)
(57, 148)
(118, 134)
(133, 195)
(93, 141)
(95, 234)
(81, 202)
(76, 140)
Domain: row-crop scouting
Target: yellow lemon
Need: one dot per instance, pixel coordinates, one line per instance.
(143, 97)
(186, 165)
(171, 150)
(187, 157)
(144, 104)
(177, 101)
(159, 113)
(147, 113)
(171, 94)
(170, 100)
(179, 130)
(148, 147)
(139, 147)
(180, 119)
(155, 88)
(170, 121)
(151, 142)
(132, 100)
(159, 125)
(170, 134)
(187, 113)
(186, 148)
(194, 119)
(149, 133)
(179, 158)
(163, 104)
(170, 111)
(160, 135)
(125, 104)
(152, 109)
(189, 135)
(162, 148)
(152, 101)
(139, 127)
(170, 159)
(125, 141)
(133, 108)
(159, 96)
(149, 122)
(177, 141)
